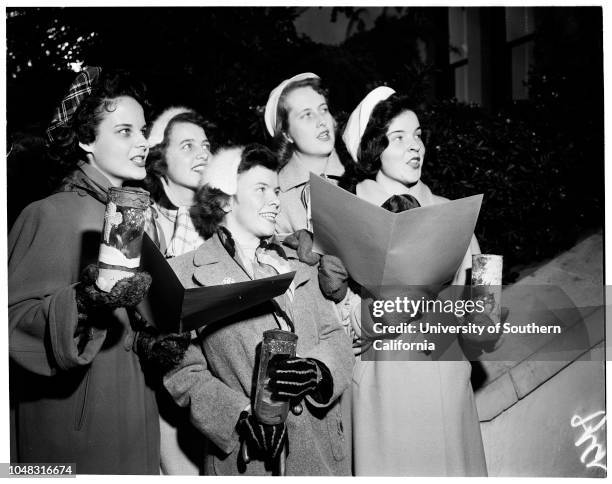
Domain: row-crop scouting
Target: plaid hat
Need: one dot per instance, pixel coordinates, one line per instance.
(79, 89)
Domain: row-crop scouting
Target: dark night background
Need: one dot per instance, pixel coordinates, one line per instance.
(537, 157)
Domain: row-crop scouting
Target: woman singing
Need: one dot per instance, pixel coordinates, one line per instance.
(80, 394)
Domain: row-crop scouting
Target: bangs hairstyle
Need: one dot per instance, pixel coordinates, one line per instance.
(83, 126)
(208, 212)
(374, 140)
(157, 166)
(283, 147)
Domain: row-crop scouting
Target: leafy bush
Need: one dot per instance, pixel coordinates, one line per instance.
(542, 188)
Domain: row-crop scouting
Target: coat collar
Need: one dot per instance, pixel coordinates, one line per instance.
(296, 172)
(373, 192)
(212, 261)
(87, 180)
(95, 176)
(212, 267)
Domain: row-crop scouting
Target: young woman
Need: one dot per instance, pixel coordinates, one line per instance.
(178, 157)
(239, 204)
(79, 391)
(297, 116)
(410, 418)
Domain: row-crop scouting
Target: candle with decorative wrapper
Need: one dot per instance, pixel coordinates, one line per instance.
(275, 342)
(487, 283)
(121, 245)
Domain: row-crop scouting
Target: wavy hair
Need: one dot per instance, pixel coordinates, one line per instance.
(374, 140)
(284, 148)
(83, 126)
(209, 210)
(157, 165)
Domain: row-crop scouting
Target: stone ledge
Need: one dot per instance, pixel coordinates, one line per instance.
(496, 397)
(515, 380)
(558, 353)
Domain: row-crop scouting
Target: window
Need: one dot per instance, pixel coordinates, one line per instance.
(520, 28)
(458, 52)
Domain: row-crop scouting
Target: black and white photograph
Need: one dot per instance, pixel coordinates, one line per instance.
(305, 240)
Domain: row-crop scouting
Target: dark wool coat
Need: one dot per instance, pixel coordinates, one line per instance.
(216, 380)
(79, 398)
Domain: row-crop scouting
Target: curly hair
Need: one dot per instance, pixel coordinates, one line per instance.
(374, 140)
(83, 126)
(284, 148)
(157, 166)
(209, 209)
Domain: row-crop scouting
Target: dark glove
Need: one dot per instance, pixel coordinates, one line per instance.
(301, 241)
(162, 352)
(264, 439)
(293, 378)
(333, 278)
(125, 293)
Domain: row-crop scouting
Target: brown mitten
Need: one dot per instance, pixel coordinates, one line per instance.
(333, 278)
(301, 241)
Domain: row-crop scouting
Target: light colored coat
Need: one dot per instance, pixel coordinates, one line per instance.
(215, 381)
(416, 418)
(293, 178)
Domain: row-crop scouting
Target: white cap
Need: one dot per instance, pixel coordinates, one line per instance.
(156, 135)
(359, 118)
(275, 94)
(222, 171)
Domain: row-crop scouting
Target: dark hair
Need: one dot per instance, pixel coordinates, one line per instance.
(284, 148)
(83, 125)
(157, 166)
(208, 212)
(374, 140)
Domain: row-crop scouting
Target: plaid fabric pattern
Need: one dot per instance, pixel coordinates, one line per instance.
(150, 227)
(185, 236)
(78, 90)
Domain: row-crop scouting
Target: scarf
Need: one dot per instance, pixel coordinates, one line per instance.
(184, 237)
(270, 260)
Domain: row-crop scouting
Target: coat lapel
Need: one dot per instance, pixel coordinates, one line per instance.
(212, 265)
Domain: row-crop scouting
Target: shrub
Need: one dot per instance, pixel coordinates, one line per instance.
(542, 188)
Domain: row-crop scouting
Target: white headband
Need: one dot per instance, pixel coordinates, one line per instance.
(156, 135)
(359, 118)
(222, 171)
(275, 94)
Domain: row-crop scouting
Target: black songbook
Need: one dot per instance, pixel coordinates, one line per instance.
(172, 308)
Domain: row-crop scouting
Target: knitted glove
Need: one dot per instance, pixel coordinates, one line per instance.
(267, 440)
(301, 241)
(293, 378)
(333, 278)
(125, 293)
